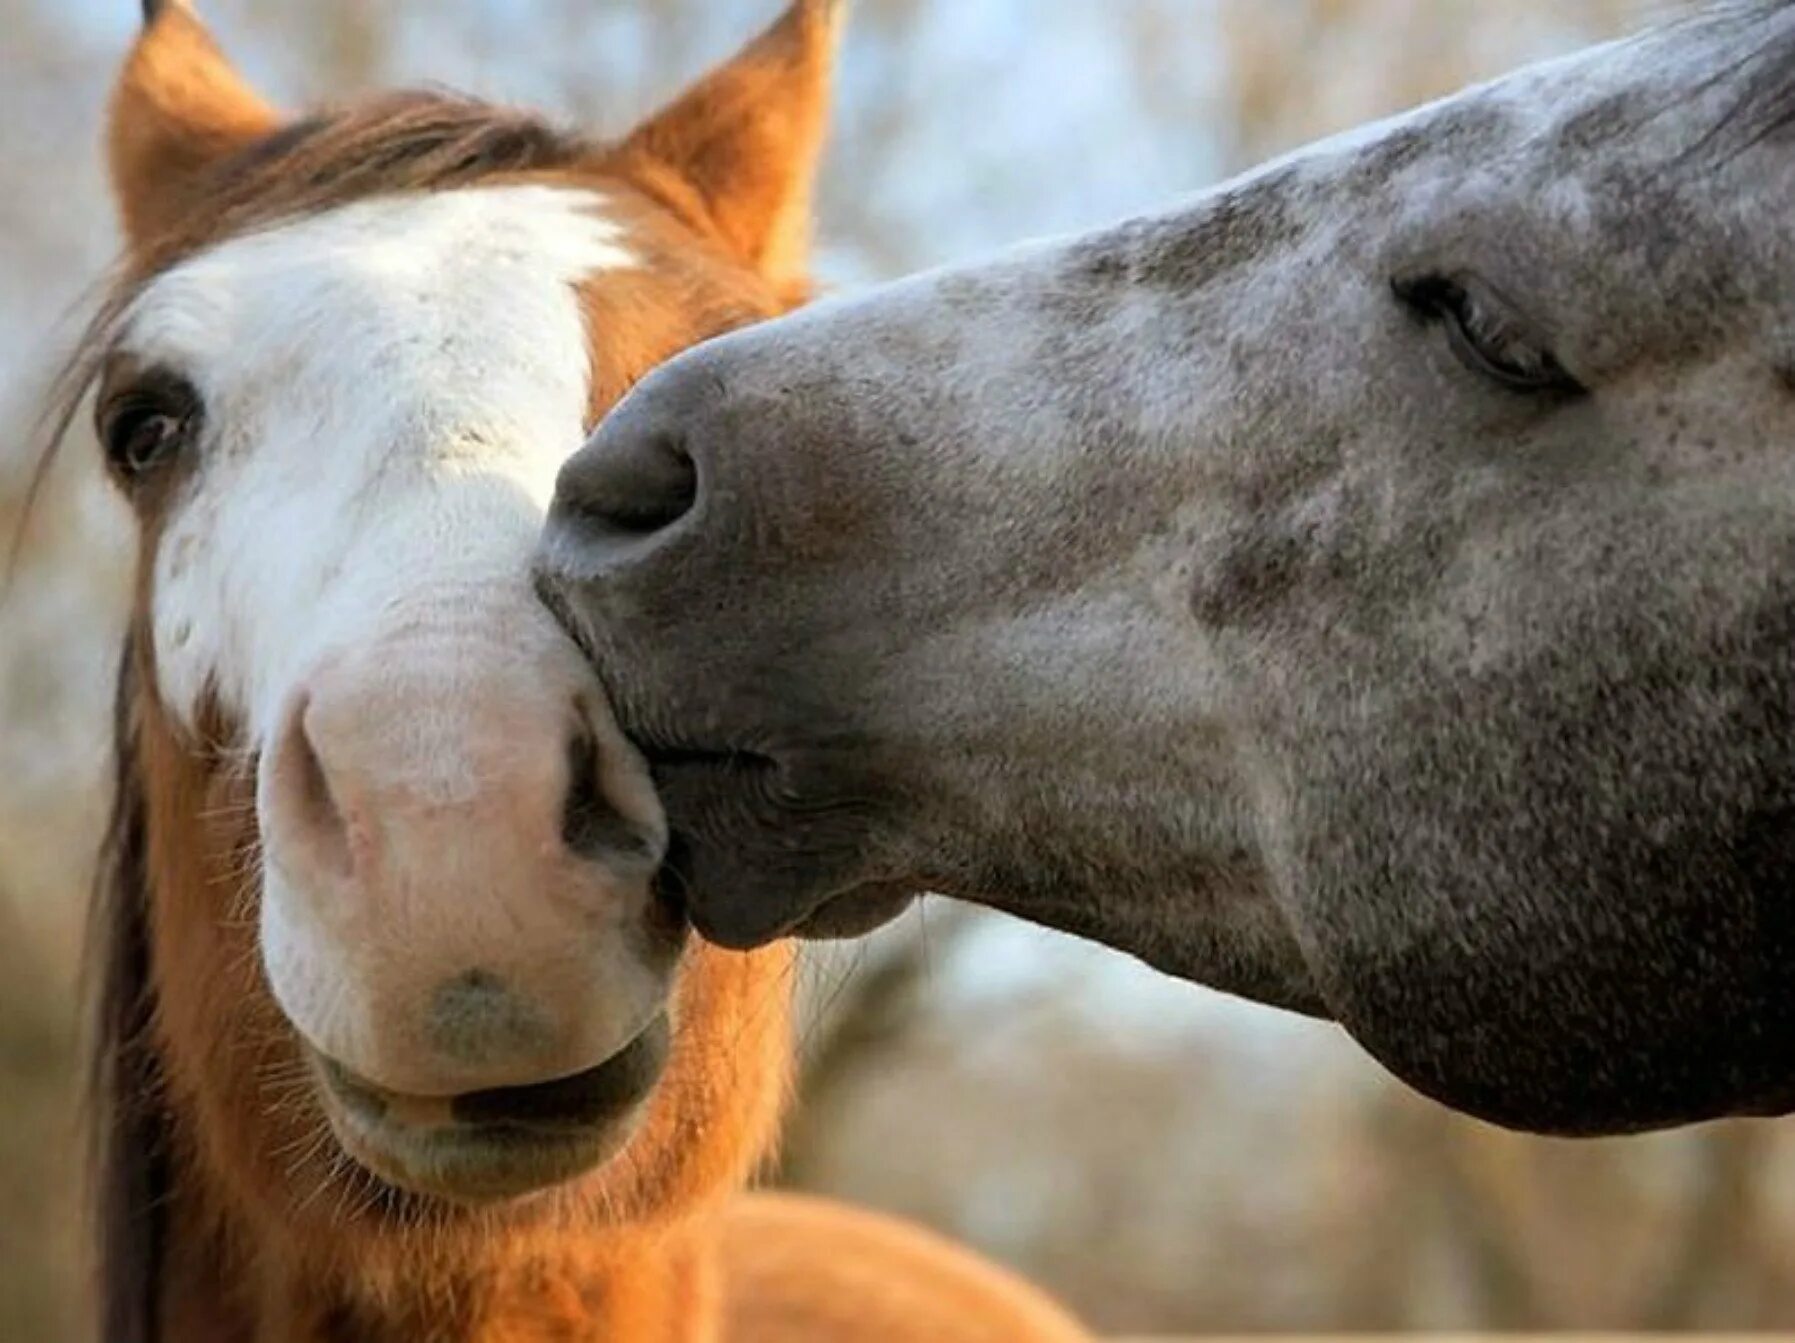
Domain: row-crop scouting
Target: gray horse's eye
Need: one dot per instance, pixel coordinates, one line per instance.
(1487, 333)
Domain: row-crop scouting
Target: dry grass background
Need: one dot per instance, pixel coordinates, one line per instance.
(1169, 1162)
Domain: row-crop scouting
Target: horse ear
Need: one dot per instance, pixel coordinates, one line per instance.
(177, 108)
(739, 150)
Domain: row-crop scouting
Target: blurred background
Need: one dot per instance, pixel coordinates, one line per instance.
(1166, 1159)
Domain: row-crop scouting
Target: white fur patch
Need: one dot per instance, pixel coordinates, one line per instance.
(389, 389)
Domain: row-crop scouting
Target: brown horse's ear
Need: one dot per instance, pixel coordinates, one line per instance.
(739, 150)
(178, 108)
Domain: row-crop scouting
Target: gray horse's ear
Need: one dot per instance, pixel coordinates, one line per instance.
(177, 108)
(738, 152)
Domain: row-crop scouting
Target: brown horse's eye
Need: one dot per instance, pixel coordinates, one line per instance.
(144, 427)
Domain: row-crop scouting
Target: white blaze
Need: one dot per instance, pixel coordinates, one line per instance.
(389, 389)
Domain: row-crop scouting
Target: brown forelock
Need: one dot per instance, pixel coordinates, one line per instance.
(412, 140)
(207, 1120)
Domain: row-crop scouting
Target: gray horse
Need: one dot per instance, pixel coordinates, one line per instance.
(1368, 587)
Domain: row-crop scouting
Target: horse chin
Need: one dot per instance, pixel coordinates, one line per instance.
(460, 1151)
(848, 914)
(855, 913)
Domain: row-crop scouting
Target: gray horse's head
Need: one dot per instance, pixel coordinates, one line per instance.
(1368, 587)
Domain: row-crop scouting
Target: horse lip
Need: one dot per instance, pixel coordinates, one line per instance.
(474, 1165)
(586, 1098)
(501, 1142)
(719, 919)
(678, 772)
(739, 820)
(573, 1101)
(738, 926)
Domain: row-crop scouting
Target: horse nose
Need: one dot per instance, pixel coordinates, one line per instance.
(331, 802)
(631, 484)
(456, 861)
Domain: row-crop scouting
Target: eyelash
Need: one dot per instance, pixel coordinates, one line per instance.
(1485, 335)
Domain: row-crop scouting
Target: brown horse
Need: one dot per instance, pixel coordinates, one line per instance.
(395, 1042)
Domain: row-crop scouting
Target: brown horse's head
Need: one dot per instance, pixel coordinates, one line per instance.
(381, 861)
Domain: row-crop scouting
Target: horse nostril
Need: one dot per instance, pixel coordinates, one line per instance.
(629, 481)
(302, 789)
(591, 824)
(579, 1101)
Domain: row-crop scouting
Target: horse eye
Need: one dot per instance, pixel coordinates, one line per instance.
(1486, 334)
(144, 427)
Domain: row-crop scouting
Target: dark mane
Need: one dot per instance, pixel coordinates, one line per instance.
(128, 1126)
